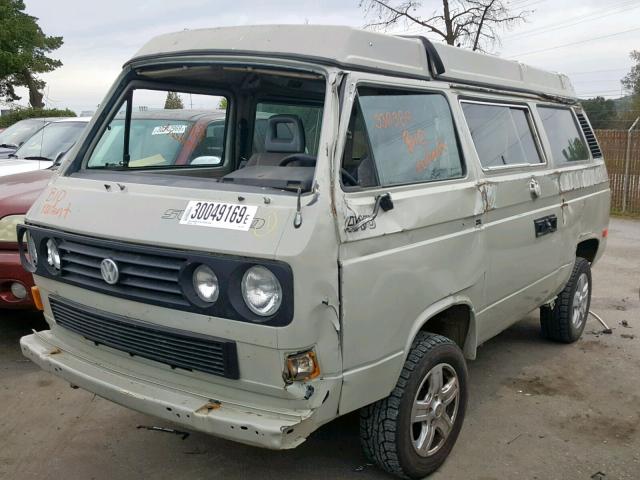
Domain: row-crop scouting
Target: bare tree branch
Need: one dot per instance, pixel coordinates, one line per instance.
(475, 24)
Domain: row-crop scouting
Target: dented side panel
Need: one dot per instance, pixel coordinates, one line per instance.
(397, 264)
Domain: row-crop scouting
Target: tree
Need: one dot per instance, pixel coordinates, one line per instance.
(23, 53)
(173, 101)
(223, 103)
(602, 113)
(464, 23)
(631, 80)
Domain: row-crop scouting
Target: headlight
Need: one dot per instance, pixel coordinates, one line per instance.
(205, 283)
(8, 226)
(33, 251)
(261, 291)
(53, 254)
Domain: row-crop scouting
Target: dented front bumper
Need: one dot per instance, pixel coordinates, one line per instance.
(281, 429)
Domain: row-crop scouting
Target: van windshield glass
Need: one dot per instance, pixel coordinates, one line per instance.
(164, 132)
(257, 126)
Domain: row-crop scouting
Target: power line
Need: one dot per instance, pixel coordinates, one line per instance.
(574, 43)
(598, 71)
(615, 9)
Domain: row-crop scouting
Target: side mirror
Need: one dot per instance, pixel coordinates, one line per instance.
(206, 160)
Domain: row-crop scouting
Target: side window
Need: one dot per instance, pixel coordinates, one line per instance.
(502, 134)
(358, 169)
(401, 137)
(567, 144)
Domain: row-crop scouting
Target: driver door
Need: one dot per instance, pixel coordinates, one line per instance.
(406, 209)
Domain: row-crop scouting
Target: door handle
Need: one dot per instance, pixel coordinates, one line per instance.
(534, 188)
(382, 201)
(545, 225)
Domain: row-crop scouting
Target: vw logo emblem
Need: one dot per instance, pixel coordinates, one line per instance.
(109, 271)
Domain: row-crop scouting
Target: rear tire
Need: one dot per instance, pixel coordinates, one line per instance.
(412, 431)
(565, 322)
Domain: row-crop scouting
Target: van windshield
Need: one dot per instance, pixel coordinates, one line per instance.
(265, 133)
(160, 142)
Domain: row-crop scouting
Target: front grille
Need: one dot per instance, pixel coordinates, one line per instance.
(592, 141)
(143, 276)
(173, 347)
(153, 275)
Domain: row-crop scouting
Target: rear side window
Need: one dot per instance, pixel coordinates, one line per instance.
(567, 144)
(410, 136)
(502, 134)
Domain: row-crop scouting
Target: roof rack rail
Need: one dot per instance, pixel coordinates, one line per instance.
(436, 65)
(437, 70)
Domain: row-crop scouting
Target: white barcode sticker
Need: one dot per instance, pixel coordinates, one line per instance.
(167, 129)
(219, 215)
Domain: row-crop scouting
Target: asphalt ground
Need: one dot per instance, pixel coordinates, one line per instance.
(537, 410)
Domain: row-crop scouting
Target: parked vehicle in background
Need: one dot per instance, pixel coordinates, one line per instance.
(45, 146)
(18, 192)
(404, 203)
(13, 137)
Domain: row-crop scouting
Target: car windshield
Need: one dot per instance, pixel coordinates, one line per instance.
(19, 132)
(51, 141)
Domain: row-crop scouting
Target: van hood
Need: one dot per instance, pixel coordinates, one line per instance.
(149, 214)
(11, 166)
(18, 192)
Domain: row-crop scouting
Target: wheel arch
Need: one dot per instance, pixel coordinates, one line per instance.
(452, 317)
(588, 249)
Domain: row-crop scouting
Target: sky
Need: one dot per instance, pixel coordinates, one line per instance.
(589, 40)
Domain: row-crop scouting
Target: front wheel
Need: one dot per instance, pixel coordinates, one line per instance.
(412, 431)
(565, 322)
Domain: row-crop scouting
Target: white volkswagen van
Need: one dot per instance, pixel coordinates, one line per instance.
(375, 209)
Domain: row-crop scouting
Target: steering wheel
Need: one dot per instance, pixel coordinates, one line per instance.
(302, 159)
(348, 179)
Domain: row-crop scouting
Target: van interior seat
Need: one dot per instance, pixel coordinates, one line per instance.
(284, 137)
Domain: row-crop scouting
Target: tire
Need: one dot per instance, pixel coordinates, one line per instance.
(389, 434)
(565, 322)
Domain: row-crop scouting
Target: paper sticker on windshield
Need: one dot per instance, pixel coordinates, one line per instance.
(167, 129)
(219, 215)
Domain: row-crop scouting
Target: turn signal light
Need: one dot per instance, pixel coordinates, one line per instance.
(37, 299)
(302, 366)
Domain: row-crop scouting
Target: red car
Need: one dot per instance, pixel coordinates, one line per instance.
(200, 142)
(17, 193)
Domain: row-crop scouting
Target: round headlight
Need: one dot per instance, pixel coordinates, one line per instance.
(32, 250)
(53, 254)
(261, 291)
(205, 283)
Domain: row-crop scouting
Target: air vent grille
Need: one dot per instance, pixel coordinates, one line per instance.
(590, 136)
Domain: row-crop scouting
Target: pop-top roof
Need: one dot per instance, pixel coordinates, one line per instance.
(361, 50)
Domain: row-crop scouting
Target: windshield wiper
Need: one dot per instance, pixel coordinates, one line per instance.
(8, 145)
(36, 157)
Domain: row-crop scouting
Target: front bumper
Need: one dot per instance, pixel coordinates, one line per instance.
(11, 271)
(281, 429)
